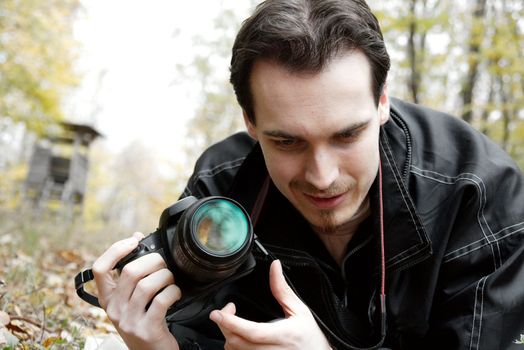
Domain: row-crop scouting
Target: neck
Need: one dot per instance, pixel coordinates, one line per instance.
(336, 241)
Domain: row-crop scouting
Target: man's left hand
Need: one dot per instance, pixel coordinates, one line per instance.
(298, 330)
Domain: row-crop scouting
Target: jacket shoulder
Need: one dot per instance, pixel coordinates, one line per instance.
(441, 142)
(217, 166)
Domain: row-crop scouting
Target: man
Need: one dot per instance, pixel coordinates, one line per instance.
(358, 196)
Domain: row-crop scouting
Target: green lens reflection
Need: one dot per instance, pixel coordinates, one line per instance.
(220, 227)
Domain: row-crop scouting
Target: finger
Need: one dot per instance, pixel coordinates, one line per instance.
(138, 235)
(290, 302)
(216, 317)
(235, 342)
(147, 287)
(230, 308)
(103, 266)
(162, 301)
(134, 271)
(255, 332)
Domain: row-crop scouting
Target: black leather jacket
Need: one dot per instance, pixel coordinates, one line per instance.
(454, 224)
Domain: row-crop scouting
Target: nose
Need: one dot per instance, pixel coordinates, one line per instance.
(321, 169)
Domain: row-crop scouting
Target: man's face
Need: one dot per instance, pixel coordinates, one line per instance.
(319, 135)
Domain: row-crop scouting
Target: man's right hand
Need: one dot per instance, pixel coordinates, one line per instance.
(125, 299)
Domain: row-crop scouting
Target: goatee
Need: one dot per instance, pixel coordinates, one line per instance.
(327, 225)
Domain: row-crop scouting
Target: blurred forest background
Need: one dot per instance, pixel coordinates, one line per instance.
(464, 57)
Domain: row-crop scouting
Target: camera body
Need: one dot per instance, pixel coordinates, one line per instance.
(205, 243)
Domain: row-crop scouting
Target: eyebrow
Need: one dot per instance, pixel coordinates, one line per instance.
(347, 130)
(278, 134)
(352, 128)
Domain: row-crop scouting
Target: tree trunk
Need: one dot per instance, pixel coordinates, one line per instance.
(506, 114)
(414, 80)
(487, 109)
(475, 39)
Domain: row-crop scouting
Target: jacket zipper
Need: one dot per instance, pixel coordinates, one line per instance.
(343, 268)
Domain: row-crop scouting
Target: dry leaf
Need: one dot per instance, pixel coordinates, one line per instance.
(54, 280)
(16, 329)
(50, 341)
(71, 257)
(18, 311)
(4, 319)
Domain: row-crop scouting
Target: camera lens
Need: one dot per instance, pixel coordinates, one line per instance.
(220, 227)
(212, 239)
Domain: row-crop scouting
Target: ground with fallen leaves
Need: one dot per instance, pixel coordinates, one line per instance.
(39, 308)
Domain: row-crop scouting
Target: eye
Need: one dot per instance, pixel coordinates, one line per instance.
(349, 136)
(286, 143)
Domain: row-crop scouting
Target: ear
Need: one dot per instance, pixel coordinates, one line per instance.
(383, 105)
(251, 129)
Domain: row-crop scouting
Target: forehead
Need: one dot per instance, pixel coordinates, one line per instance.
(341, 92)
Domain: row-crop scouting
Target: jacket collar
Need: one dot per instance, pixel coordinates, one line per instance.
(406, 241)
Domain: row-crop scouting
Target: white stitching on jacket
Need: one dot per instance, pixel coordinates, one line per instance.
(483, 282)
(481, 243)
(212, 172)
(447, 180)
(220, 167)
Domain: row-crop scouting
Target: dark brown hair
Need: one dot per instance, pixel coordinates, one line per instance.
(304, 36)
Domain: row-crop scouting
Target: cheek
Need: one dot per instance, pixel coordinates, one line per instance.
(282, 168)
(361, 162)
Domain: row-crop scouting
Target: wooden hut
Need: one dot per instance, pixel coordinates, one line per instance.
(59, 166)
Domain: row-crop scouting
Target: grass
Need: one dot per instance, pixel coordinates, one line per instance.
(39, 258)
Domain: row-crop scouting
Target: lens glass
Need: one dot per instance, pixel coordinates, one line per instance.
(220, 227)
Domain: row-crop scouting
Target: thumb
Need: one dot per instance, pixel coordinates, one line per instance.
(290, 302)
(229, 309)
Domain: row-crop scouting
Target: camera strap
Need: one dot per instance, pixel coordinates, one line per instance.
(259, 202)
(82, 278)
(255, 214)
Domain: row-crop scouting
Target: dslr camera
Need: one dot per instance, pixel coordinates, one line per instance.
(206, 243)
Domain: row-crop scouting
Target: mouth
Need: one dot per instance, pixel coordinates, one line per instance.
(325, 202)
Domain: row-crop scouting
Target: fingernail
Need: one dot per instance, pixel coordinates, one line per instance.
(131, 240)
(278, 265)
(215, 316)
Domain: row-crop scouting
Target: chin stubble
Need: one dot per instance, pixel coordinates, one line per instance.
(327, 223)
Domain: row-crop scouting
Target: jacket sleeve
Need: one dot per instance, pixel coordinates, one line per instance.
(487, 313)
(480, 293)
